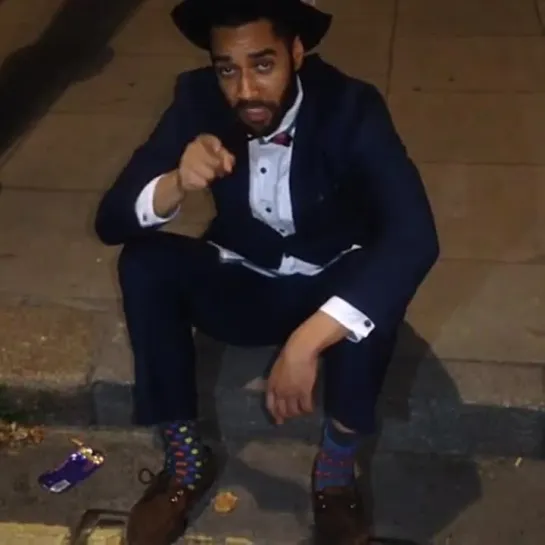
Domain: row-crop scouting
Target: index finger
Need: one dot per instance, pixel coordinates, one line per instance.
(211, 143)
(227, 160)
(223, 160)
(271, 404)
(306, 402)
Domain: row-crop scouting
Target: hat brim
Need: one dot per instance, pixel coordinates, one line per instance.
(194, 19)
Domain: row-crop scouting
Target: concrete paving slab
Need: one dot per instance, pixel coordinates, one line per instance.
(479, 383)
(419, 425)
(540, 5)
(195, 217)
(112, 379)
(193, 230)
(488, 491)
(25, 502)
(472, 128)
(424, 497)
(36, 225)
(370, 46)
(43, 534)
(489, 312)
(469, 18)
(483, 522)
(72, 46)
(129, 85)
(48, 250)
(412, 374)
(488, 212)
(76, 151)
(30, 12)
(198, 207)
(45, 346)
(428, 404)
(363, 30)
(22, 21)
(113, 358)
(150, 31)
(451, 285)
(370, 13)
(439, 63)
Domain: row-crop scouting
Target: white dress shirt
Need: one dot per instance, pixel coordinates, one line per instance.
(270, 202)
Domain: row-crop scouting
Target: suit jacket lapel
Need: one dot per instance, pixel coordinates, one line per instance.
(236, 186)
(306, 176)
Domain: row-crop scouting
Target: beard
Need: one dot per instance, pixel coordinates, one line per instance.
(275, 112)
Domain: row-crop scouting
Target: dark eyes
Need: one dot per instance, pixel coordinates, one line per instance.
(262, 67)
(225, 71)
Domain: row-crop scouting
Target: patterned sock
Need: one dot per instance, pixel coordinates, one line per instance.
(335, 461)
(184, 452)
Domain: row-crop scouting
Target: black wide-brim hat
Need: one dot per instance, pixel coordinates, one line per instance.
(195, 18)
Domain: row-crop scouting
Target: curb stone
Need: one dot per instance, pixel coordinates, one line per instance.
(41, 534)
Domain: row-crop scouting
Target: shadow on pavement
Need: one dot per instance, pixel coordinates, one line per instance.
(71, 48)
(413, 495)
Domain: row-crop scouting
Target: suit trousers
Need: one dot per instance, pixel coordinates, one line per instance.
(171, 283)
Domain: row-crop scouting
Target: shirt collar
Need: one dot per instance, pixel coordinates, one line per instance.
(288, 122)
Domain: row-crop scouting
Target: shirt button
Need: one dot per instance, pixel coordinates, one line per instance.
(367, 323)
(263, 170)
(268, 210)
(145, 217)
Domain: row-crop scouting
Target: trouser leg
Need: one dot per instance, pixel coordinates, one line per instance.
(171, 284)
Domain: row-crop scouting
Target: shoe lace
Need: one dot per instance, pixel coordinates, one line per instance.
(146, 476)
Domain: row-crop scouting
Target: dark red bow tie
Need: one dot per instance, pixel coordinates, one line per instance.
(282, 139)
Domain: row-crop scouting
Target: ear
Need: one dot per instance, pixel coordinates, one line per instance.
(298, 53)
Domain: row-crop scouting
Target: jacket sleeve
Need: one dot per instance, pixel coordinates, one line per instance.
(381, 279)
(116, 220)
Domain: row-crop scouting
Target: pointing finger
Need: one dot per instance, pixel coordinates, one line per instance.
(211, 143)
(228, 160)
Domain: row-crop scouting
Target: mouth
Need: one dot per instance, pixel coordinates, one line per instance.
(256, 115)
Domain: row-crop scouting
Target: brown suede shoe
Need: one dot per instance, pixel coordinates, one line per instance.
(160, 516)
(339, 517)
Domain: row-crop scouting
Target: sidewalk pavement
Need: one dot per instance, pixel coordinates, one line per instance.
(432, 499)
(82, 83)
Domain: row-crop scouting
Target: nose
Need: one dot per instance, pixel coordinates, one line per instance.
(247, 88)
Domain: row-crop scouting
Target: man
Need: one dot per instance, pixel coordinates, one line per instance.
(322, 236)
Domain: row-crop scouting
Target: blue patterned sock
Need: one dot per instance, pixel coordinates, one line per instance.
(184, 452)
(335, 462)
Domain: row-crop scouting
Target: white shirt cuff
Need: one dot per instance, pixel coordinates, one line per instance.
(359, 325)
(144, 206)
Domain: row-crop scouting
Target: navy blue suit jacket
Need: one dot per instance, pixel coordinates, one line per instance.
(351, 182)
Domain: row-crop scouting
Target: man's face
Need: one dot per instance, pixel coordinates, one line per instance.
(255, 70)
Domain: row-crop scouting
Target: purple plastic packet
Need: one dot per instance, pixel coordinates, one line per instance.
(79, 466)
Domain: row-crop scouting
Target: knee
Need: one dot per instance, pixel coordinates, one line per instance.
(156, 261)
(136, 263)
